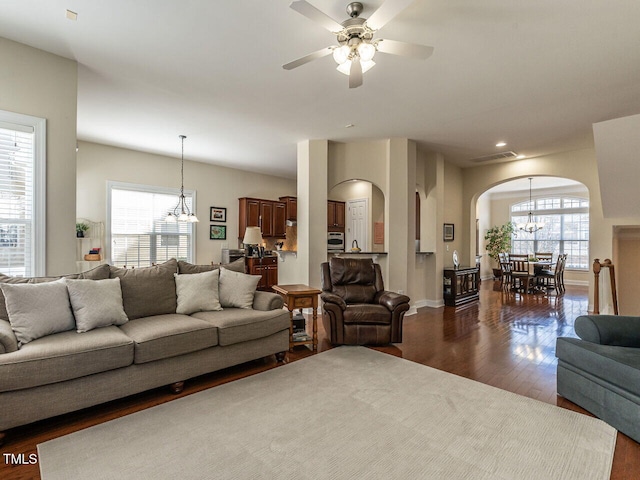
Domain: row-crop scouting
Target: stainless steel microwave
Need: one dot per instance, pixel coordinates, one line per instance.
(335, 242)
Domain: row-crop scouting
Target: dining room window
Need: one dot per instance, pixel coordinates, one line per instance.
(566, 229)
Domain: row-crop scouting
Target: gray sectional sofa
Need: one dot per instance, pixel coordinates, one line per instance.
(600, 371)
(155, 346)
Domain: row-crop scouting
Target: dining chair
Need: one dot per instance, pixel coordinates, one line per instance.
(520, 276)
(544, 256)
(555, 278)
(563, 260)
(505, 279)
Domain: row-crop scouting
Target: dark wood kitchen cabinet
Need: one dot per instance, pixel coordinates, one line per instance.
(335, 216)
(269, 215)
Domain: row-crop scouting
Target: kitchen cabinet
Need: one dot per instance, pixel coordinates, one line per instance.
(279, 219)
(269, 215)
(291, 207)
(265, 267)
(335, 216)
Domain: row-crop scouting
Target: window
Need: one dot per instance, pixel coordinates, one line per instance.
(137, 233)
(566, 229)
(22, 194)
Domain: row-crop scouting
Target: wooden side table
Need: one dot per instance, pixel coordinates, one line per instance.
(299, 296)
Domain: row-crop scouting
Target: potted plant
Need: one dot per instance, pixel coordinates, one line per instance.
(499, 240)
(80, 229)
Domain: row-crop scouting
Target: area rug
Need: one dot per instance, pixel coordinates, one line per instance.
(347, 413)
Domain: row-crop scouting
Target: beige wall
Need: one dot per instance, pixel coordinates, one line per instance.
(214, 186)
(43, 85)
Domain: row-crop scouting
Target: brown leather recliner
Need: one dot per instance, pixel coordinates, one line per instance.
(357, 309)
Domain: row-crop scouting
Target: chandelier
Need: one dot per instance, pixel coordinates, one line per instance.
(181, 213)
(530, 226)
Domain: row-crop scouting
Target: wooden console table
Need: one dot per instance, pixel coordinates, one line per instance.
(460, 285)
(298, 297)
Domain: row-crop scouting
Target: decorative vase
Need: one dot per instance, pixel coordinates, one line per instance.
(79, 234)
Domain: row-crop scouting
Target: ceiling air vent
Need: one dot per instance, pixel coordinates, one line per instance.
(496, 156)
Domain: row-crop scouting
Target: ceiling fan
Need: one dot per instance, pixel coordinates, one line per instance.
(356, 46)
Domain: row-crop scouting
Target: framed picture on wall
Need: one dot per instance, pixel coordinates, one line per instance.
(447, 232)
(218, 214)
(218, 232)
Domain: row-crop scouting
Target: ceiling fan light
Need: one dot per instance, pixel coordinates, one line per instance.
(341, 54)
(366, 51)
(367, 65)
(345, 67)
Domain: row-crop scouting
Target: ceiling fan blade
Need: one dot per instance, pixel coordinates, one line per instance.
(355, 74)
(386, 12)
(305, 8)
(421, 52)
(307, 58)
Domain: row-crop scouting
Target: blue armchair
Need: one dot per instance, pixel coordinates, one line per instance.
(601, 371)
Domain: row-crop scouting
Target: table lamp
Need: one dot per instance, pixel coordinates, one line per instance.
(252, 238)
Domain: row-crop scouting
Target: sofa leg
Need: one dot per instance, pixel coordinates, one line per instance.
(177, 387)
(280, 356)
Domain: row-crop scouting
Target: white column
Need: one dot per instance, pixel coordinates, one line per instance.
(312, 209)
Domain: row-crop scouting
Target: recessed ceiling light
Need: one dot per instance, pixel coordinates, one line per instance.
(521, 156)
(501, 144)
(351, 125)
(72, 15)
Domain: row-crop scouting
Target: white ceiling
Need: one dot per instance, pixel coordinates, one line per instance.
(534, 74)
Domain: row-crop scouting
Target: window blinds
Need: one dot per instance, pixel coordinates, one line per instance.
(139, 235)
(17, 165)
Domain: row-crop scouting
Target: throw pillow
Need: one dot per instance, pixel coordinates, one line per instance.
(96, 303)
(237, 289)
(237, 265)
(198, 292)
(148, 291)
(99, 273)
(37, 310)
(186, 267)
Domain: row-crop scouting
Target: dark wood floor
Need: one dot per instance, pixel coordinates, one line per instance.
(506, 340)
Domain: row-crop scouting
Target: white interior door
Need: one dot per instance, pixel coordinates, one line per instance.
(357, 224)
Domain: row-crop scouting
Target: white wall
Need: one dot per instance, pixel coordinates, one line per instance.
(43, 85)
(215, 187)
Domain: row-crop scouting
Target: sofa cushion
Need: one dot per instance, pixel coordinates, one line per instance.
(164, 336)
(367, 314)
(37, 310)
(237, 289)
(188, 268)
(237, 325)
(98, 273)
(619, 366)
(96, 303)
(148, 291)
(64, 356)
(197, 292)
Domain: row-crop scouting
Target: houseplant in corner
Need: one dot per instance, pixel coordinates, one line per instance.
(499, 240)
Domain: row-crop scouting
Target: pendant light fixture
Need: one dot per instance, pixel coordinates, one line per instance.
(531, 226)
(181, 213)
